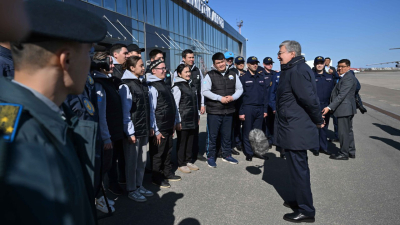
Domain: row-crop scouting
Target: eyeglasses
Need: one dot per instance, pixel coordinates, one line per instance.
(280, 53)
(341, 67)
(163, 68)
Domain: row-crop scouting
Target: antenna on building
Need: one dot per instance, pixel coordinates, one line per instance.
(240, 25)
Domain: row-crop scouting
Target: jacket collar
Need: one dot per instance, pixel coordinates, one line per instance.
(5, 52)
(295, 61)
(48, 118)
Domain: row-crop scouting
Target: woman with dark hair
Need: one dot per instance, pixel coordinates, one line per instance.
(137, 127)
(185, 95)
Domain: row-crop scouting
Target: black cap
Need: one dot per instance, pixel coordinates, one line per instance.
(239, 60)
(55, 20)
(134, 48)
(319, 59)
(268, 60)
(252, 59)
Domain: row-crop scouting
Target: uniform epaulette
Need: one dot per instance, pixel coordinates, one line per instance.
(9, 117)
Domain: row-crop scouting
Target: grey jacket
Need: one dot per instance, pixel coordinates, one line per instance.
(343, 102)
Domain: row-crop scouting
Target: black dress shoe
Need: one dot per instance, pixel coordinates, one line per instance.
(234, 152)
(173, 177)
(324, 152)
(339, 157)
(316, 153)
(297, 217)
(352, 156)
(249, 158)
(292, 205)
(334, 140)
(238, 148)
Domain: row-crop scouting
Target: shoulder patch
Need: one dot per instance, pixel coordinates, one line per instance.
(270, 84)
(90, 80)
(9, 118)
(88, 106)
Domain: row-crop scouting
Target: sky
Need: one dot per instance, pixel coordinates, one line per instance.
(359, 30)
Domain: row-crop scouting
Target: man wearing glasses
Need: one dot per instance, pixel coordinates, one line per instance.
(343, 106)
(298, 115)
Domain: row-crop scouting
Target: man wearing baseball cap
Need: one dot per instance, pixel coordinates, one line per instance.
(134, 50)
(52, 183)
(229, 56)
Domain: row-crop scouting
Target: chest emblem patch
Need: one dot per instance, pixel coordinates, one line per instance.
(230, 77)
(9, 118)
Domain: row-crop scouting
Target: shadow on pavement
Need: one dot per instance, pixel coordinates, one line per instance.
(388, 141)
(157, 210)
(388, 129)
(276, 174)
(189, 221)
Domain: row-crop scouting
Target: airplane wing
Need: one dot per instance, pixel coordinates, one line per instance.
(383, 63)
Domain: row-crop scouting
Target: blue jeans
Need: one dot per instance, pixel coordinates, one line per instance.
(219, 125)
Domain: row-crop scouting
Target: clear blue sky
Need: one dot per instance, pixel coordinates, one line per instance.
(360, 30)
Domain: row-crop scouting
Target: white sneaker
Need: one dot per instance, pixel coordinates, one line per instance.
(102, 206)
(110, 202)
(136, 196)
(145, 192)
(191, 166)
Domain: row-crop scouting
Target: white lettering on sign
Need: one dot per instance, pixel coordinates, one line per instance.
(206, 10)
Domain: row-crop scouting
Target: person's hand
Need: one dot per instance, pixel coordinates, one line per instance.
(151, 132)
(241, 117)
(320, 125)
(274, 112)
(108, 146)
(178, 127)
(330, 71)
(223, 100)
(325, 110)
(229, 99)
(158, 138)
(202, 110)
(132, 139)
(265, 115)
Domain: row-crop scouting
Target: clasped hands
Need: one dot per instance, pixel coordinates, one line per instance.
(226, 99)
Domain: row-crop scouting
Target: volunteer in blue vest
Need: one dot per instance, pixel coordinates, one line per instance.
(325, 84)
(254, 104)
(185, 94)
(222, 88)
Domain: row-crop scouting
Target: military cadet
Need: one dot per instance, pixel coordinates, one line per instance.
(166, 118)
(155, 55)
(325, 84)
(222, 88)
(254, 104)
(134, 50)
(272, 107)
(48, 169)
(6, 61)
(119, 53)
(229, 56)
(269, 120)
(196, 78)
(298, 116)
(237, 124)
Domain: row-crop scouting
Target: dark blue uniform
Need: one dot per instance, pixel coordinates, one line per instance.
(6, 63)
(268, 126)
(254, 104)
(325, 84)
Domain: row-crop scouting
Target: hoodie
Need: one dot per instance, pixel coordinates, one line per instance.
(102, 105)
(207, 84)
(177, 94)
(175, 77)
(153, 94)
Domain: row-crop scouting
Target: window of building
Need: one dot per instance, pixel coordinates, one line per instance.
(122, 6)
(134, 9)
(95, 2)
(181, 20)
(140, 10)
(164, 20)
(109, 4)
(157, 13)
(150, 12)
(176, 18)
(170, 15)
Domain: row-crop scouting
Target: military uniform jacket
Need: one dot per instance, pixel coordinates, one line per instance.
(297, 106)
(46, 177)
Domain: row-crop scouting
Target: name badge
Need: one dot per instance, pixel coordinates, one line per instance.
(328, 78)
(316, 79)
(261, 81)
(266, 77)
(249, 81)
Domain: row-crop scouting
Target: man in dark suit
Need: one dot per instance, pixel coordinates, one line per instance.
(343, 106)
(297, 117)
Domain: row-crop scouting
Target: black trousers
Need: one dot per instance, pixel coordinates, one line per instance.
(346, 135)
(268, 125)
(117, 171)
(196, 148)
(161, 156)
(184, 146)
(299, 171)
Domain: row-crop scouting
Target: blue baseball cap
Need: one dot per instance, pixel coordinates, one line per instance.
(319, 59)
(268, 60)
(229, 55)
(252, 59)
(239, 60)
